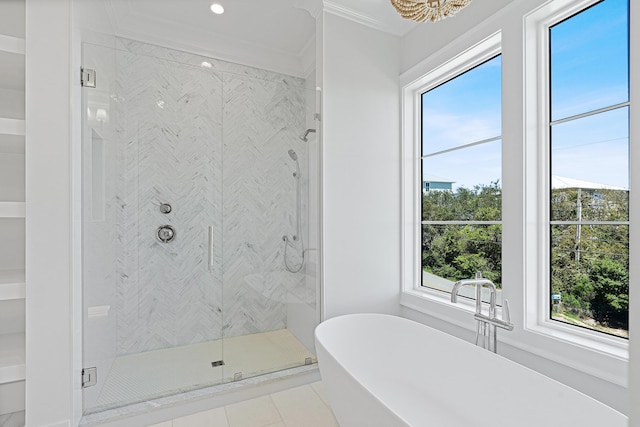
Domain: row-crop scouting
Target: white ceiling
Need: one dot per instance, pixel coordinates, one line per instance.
(275, 34)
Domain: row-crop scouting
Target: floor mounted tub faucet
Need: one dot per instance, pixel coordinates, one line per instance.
(487, 324)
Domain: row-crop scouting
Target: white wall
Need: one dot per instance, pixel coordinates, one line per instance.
(360, 168)
(50, 378)
(428, 37)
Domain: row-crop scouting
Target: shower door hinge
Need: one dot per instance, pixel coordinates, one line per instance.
(89, 377)
(87, 77)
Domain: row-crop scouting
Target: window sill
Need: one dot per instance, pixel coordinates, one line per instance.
(438, 304)
(605, 358)
(589, 340)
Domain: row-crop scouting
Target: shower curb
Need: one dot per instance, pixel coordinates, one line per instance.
(193, 401)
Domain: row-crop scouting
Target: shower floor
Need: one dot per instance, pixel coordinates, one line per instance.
(139, 377)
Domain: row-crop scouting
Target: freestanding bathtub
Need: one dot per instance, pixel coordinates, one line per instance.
(387, 371)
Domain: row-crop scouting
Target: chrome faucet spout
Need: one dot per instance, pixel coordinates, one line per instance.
(487, 324)
(479, 283)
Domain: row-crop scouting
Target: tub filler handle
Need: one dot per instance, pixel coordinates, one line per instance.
(503, 323)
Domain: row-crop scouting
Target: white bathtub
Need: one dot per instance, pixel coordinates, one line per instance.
(386, 371)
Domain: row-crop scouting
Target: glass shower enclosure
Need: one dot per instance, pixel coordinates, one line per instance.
(196, 186)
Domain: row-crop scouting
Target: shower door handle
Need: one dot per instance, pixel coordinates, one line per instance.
(210, 248)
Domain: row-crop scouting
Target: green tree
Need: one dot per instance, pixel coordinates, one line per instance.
(589, 263)
(610, 303)
(457, 252)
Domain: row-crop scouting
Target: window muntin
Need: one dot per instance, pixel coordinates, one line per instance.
(589, 164)
(467, 167)
(589, 53)
(594, 149)
(463, 110)
(461, 166)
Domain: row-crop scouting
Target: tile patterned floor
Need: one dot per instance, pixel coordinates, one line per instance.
(304, 406)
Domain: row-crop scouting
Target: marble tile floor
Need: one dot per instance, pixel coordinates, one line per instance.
(147, 375)
(304, 406)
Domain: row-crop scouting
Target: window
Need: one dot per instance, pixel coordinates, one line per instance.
(461, 158)
(559, 209)
(589, 166)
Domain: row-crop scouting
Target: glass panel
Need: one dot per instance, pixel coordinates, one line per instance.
(590, 276)
(468, 181)
(463, 110)
(461, 179)
(270, 289)
(591, 156)
(153, 308)
(589, 60)
(454, 252)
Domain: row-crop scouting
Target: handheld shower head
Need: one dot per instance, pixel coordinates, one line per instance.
(293, 155)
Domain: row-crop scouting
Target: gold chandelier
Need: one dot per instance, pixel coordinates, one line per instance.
(433, 10)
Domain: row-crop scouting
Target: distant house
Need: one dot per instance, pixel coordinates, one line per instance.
(436, 183)
(560, 182)
(585, 188)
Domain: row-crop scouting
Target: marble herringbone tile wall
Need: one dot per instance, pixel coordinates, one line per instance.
(213, 143)
(261, 121)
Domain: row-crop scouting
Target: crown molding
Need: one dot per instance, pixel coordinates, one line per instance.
(360, 18)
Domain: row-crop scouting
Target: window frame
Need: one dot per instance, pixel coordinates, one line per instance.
(534, 341)
(537, 183)
(484, 50)
(475, 61)
(558, 19)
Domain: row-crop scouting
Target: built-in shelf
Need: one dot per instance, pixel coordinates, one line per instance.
(12, 285)
(11, 210)
(11, 44)
(11, 126)
(12, 358)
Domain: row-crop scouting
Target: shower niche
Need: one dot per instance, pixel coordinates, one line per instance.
(188, 189)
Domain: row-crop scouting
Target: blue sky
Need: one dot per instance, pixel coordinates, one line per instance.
(589, 71)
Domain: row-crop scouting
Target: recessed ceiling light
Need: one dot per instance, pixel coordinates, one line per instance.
(206, 64)
(217, 9)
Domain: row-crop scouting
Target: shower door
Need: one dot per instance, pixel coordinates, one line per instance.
(152, 226)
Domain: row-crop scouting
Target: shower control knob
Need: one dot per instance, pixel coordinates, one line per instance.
(166, 233)
(165, 208)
